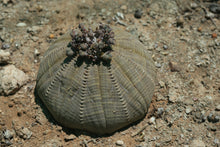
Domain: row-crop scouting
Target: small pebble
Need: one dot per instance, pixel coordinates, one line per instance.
(162, 84)
(173, 95)
(199, 117)
(8, 142)
(199, 29)
(5, 1)
(216, 141)
(10, 105)
(35, 38)
(214, 35)
(69, 137)
(208, 134)
(8, 134)
(198, 143)
(21, 24)
(213, 117)
(46, 132)
(17, 45)
(5, 46)
(36, 52)
(138, 14)
(212, 127)
(174, 67)
(209, 15)
(193, 5)
(51, 36)
(120, 15)
(188, 110)
(217, 108)
(69, 52)
(121, 23)
(119, 143)
(195, 99)
(152, 120)
(160, 97)
(180, 21)
(123, 7)
(34, 30)
(160, 111)
(165, 47)
(179, 109)
(214, 8)
(5, 57)
(103, 10)
(158, 65)
(24, 133)
(189, 129)
(80, 16)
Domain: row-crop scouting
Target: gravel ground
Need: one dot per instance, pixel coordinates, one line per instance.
(182, 37)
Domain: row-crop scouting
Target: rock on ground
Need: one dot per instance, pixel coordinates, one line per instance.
(24, 133)
(4, 57)
(197, 143)
(11, 79)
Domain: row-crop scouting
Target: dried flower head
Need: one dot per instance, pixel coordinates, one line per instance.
(95, 45)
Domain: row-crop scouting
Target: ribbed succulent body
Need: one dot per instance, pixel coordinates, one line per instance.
(98, 98)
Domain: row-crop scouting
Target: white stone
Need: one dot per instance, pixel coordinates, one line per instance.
(162, 84)
(36, 52)
(152, 120)
(188, 110)
(8, 134)
(218, 108)
(120, 15)
(26, 133)
(119, 142)
(70, 137)
(11, 79)
(197, 143)
(34, 30)
(21, 24)
(4, 57)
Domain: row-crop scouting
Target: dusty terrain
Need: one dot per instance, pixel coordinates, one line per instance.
(183, 38)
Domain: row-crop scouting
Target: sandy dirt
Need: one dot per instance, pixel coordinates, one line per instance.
(183, 38)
